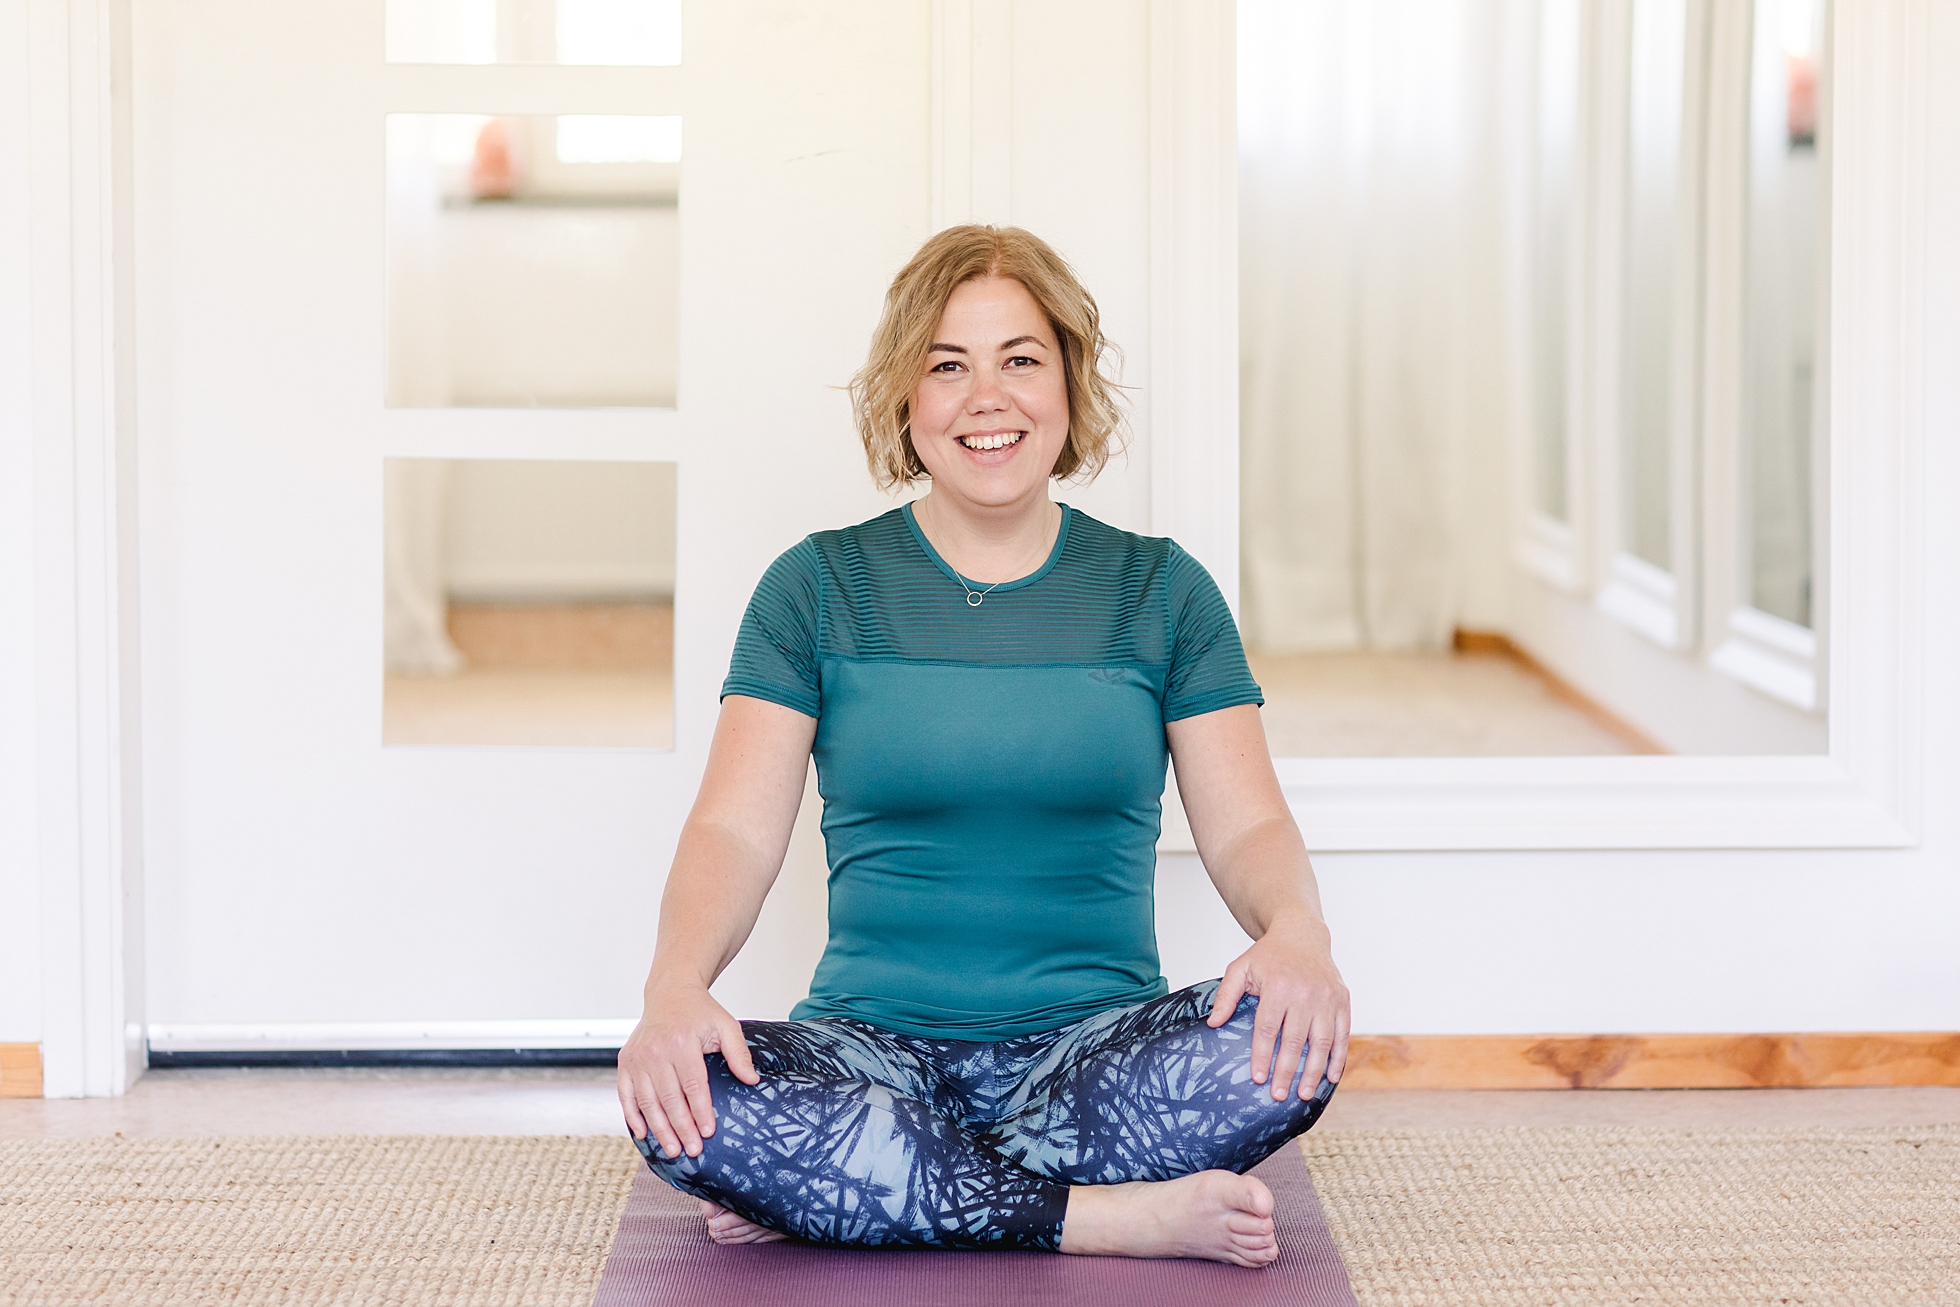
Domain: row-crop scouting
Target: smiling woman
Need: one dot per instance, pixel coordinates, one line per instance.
(991, 684)
(1014, 290)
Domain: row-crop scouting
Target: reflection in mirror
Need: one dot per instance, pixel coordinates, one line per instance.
(1780, 310)
(1553, 246)
(1463, 531)
(528, 603)
(532, 261)
(638, 32)
(1656, 255)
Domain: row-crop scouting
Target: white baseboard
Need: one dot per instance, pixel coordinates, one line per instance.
(309, 1036)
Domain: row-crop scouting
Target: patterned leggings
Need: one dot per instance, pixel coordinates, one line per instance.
(862, 1137)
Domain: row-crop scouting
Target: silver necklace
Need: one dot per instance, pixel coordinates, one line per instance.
(973, 597)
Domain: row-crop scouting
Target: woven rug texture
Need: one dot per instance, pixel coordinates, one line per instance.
(473, 1222)
(1593, 1217)
(1486, 1218)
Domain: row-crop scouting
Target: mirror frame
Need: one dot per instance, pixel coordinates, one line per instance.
(1865, 792)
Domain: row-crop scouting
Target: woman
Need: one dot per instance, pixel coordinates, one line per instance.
(989, 682)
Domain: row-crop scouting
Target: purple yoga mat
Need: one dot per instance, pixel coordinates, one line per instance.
(663, 1257)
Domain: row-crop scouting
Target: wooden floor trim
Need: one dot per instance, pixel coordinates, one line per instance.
(20, 1070)
(1774, 1061)
(1498, 644)
(1653, 1061)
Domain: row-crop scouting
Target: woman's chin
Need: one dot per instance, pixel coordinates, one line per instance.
(993, 492)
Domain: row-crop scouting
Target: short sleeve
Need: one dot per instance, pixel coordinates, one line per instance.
(775, 654)
(1208, 669)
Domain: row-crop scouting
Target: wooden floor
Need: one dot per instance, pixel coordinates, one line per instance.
(1445, 704)
(582, 1102)
(569, 675)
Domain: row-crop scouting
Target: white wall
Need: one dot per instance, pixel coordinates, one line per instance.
(1078, 94)
(528, 529)
(20, 911)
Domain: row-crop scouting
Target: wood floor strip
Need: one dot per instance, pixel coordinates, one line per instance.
(1497, 644)
(1653, 1061)
(1551, 1061)
(20, 1070)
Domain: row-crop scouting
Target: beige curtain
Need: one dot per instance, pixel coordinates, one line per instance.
(1364, 177)
(415, 610)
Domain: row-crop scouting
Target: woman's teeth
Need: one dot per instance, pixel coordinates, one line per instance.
(999, 441)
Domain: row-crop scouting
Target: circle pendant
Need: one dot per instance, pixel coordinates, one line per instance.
(973, 601)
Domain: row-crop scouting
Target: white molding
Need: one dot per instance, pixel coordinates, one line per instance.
(972, 133)
(1546, 548)
(1685, 541)
(1645, 598)
(1193, 389)
(1769, 654)
(543, 89)
(1605, 281)
(1878, 385)
(373, 1036)
(1454, 805)
(86, 687)
(1725, 190)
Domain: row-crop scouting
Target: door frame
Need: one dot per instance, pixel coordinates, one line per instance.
(80, 811)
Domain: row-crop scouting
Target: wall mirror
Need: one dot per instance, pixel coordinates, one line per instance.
(528, 602)
(533, 261)
(637, 32)
(1531, 382)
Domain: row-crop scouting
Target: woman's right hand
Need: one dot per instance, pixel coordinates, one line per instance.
(663, 1070)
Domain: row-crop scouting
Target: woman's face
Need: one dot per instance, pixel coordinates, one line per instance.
(990, 412)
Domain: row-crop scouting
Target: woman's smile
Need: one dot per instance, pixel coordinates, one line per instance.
(988, 442)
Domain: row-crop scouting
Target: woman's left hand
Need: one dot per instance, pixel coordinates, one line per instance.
(1303, 1005)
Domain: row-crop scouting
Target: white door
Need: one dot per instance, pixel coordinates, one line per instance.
(299, 869)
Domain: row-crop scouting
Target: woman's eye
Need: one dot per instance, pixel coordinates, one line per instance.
(947, 366)
(1020, 359)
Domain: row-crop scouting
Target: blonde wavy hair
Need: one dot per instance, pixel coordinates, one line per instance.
(881, 392)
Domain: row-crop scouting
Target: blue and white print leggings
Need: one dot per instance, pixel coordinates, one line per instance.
(858, 1136)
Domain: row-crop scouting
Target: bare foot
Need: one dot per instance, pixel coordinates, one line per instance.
(726, 1227)
(1215, 1215)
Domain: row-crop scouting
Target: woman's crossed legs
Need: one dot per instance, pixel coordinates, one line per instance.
(858, 1136)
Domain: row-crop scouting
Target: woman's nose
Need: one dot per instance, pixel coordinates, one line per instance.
(987, 395)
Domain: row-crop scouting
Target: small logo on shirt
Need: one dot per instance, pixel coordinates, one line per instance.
(1107, 675)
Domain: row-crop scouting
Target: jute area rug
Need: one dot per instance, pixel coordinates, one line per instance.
(1531, 1217)
(1589, 1217)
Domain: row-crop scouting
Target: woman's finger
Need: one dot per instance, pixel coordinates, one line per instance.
(694, 1086)
(1231, 988)
(1265, 1033)
(735, 1049)
(1320, 1046)
(658, 1125)
(1337, 1060)
(629, 1105)
(1293, 1042)
(667, 1091)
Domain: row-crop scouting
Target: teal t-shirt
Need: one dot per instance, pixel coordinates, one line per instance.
(993, 775)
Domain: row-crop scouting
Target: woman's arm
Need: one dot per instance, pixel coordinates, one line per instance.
(1255, 856)
(729, 854)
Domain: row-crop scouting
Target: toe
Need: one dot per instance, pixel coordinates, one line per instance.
(1258, 1198)
(1246, 1224)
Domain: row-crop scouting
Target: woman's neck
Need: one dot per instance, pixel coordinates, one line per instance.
(990, 546)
